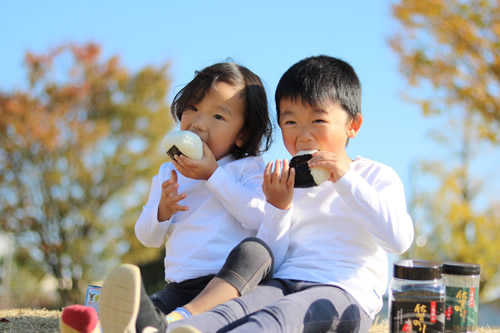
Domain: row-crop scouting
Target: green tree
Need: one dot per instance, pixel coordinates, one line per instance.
(448, 51)
(78, 149)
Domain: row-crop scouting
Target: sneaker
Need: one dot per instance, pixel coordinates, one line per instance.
(124, 305)
(79, 319)
(186, 329)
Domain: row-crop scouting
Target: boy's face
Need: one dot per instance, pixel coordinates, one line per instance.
(324, 127)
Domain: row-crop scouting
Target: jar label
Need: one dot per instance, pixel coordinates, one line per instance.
(417, 317)
(461, 309)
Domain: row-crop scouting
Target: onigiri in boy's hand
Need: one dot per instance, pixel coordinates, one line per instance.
(305, 176)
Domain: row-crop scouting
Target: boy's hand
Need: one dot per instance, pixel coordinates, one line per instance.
(169, 199)
(336, 164)
(196, 169)
(278, 184)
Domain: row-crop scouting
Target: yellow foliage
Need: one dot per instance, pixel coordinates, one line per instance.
(453, 45)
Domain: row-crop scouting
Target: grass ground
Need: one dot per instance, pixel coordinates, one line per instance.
(36, 320)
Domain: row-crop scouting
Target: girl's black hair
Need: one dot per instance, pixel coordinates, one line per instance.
(256, 119)
(320, 79)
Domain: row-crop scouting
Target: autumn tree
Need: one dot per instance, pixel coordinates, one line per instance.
(453, 219)
(449, 53)
(78, 149)
(451, 47)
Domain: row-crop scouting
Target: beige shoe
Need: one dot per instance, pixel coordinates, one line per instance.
(119, 300)
(186, 329)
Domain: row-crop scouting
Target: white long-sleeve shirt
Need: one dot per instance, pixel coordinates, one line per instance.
(223, 210)
(340, 233)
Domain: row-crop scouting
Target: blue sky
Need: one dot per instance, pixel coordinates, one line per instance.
(266, 36)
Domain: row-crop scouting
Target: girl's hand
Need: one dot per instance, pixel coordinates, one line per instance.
(278, 184)
(336, 164)
(196, 169)
(169, 199)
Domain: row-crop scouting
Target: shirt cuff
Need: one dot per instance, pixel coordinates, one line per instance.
(274, 212)
(216, 178)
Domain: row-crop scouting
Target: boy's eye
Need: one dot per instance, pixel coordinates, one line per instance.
(289, 122)
(318, 121)
(219, 117)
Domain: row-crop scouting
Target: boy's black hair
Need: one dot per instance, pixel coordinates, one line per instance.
(320, 79)
(256, 117)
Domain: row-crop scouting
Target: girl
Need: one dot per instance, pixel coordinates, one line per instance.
(201, 209)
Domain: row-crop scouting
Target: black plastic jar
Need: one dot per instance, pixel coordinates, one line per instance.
(416, 297)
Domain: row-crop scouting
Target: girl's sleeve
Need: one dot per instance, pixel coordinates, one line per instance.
(382, 207)
(240, 191)
(148, 230)
(274, 230)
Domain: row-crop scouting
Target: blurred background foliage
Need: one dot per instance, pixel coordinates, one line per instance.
(449, 51)
(80, 145)
(78, 150)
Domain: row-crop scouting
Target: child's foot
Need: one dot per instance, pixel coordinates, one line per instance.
(186, 329)
(79, 319)
(178, 314)
(124, 305)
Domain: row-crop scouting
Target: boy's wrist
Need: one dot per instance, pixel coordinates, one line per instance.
(280, 205)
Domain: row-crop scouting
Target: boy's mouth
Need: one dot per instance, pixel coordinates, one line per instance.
(307, 150)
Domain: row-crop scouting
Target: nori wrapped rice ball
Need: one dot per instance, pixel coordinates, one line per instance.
(183, 143)
(304, 176)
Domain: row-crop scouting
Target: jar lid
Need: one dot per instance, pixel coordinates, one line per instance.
(461, 268)
(417, 270)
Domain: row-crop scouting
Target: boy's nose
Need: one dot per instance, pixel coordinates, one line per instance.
(305, 135)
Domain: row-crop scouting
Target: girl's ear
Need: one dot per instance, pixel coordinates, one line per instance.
(354, 125)
(242, 138)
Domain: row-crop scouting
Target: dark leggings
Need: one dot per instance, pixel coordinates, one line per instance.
(248, 264)
(290, 306)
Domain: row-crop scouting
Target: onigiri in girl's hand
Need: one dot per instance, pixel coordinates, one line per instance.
(183, 143)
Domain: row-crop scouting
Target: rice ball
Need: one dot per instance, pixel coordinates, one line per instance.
(183, 143)
(305, 176)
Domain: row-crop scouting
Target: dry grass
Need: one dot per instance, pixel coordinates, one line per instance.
(29, 320)
(36, 320)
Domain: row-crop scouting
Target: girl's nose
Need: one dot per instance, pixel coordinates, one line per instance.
(199, 124)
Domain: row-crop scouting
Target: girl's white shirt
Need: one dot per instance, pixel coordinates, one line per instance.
(223, 210)
(340, 233)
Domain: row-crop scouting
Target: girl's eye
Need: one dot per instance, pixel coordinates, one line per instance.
(192, 108)
(289, 122)
(318, 121)
(219, 117)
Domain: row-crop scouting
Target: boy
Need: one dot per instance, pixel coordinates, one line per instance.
(330, 241)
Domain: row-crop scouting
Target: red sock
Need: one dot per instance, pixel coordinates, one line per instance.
(79, 318)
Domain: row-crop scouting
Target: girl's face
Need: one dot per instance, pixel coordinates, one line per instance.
(218, 119)
(324, 127)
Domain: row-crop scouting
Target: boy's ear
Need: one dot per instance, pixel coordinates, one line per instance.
(242, 138)
(354, 125)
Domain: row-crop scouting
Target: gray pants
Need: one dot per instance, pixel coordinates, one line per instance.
(285, 306)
